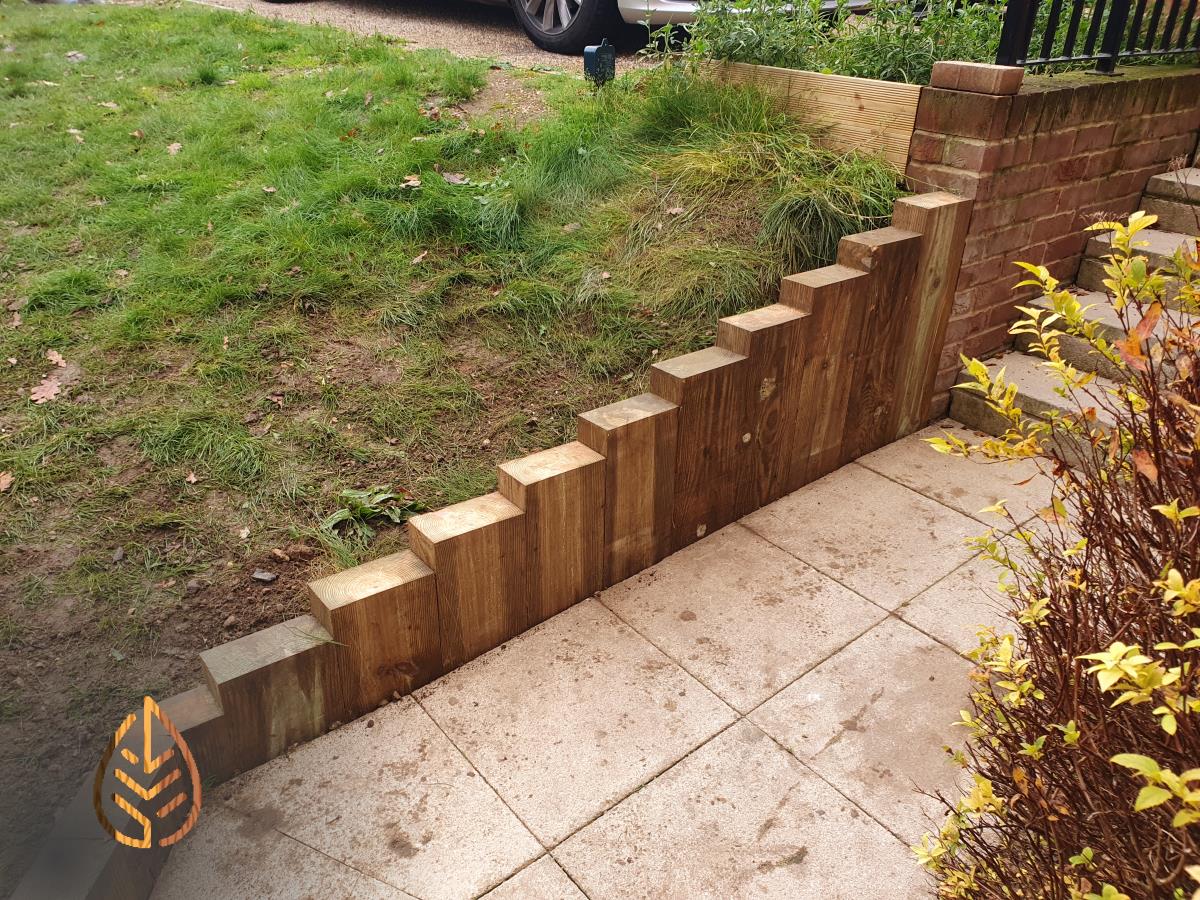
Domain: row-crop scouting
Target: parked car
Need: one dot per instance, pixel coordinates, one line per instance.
(567, 26)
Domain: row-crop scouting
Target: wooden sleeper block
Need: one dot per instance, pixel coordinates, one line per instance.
(273, 689)
(942, 220)
(773, 339)
(889, 257)
(477, 550)
(833, 297)
(637, 438)
(383, 616)
(561, 492)
(709, 387)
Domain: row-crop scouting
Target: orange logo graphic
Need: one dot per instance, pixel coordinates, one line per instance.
(159, 806)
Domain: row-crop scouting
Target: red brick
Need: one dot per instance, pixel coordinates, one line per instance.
(1052, 226)
(1035, 206)
(980, 78)
(973, 155)
(972, 185)
(987, 342)
(1016, 151)
(980, 272)
(1021, 181)
(1070, 170)
(926, 147)
(1135, 155)
(960, 113)
(1051, 146)
(1095, 137)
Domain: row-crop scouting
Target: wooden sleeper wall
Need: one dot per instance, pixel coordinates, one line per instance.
(842, 364)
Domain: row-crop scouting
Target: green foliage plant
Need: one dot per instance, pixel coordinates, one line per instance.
(1084, 728)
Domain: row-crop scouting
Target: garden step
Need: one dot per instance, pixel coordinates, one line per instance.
(1182, 184)
(1174, 215)
(1159, 250)
(1078, 352)
(1036, 394)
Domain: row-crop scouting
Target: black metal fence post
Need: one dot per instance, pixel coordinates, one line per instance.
(1016, 32)
(1114, 34)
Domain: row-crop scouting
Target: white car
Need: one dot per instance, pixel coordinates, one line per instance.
(567, 26)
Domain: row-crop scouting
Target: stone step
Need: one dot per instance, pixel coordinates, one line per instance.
(1182, 184)
(1174, 215)
(1036, 395)
(1079, 352)
(1160, 247)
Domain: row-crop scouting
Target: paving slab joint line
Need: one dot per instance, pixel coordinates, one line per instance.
(492, 787)
(973, 516)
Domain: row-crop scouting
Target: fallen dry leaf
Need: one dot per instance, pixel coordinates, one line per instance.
(108, 104)
(174, 149)
(45, 390)
(47, 83)
(77, 134)
(191, 478)
(411, 181)
(57, 358)
(6, 480)
(12, 360)
(454, 178)
(369, 99)
(16, 320)
(243, 533)
(139, 134)
(76, 55)
(420, 256)
(675, 211)
(571, 226)
(268, 190)
(122, 273)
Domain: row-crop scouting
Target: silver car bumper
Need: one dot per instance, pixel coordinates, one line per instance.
(657, 12)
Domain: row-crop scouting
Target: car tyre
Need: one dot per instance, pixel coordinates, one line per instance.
(567, 26)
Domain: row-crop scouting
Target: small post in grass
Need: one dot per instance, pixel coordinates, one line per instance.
(600, 63)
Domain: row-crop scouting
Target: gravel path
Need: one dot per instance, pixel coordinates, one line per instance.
(467, 29)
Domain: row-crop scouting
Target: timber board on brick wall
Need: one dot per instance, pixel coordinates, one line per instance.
(1041, 165)
(853, 113)
(790, 392)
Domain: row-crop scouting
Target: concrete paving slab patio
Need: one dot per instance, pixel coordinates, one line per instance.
(760, 715)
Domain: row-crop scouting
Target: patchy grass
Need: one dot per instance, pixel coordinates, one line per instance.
(264, 264)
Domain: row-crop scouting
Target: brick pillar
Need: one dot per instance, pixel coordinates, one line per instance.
(1042, 157)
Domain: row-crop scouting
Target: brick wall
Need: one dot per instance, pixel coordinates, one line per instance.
(1042, 158)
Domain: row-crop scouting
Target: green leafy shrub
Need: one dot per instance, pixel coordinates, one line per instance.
(893, 41)
(1085, 724)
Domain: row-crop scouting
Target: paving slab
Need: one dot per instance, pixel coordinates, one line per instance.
(967, 485)
(958, 606)
(571, 716)
(876, 537)
(740, 817)
(873, 721)
(544, 880)
(741, 615)
(390, 795)
(239, 857)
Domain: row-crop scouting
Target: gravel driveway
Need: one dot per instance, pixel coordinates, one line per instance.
(467, 29)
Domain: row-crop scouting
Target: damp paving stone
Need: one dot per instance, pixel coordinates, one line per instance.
(741, 615)
(396, 801)
(571, 716)
(876, 537)
(739, 818)
(873, 719)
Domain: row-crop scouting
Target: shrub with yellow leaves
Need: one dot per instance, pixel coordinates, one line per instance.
(1084, 727)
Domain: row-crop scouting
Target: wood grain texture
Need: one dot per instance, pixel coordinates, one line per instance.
(197, 714)
(860, 114)
(772, 339)
(709, 387)
(383, 616)
(834, 298)
(272, 687)
(561, 491)
(874, 348)
(942, 220)
(637, 438)
(477, 551)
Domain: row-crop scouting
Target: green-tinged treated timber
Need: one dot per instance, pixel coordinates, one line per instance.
(478, 550)
(637, 438)
(561, 491)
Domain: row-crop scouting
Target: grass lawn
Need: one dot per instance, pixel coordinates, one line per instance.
(246, 267)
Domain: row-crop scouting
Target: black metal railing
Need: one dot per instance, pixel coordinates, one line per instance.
(1102, 32)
